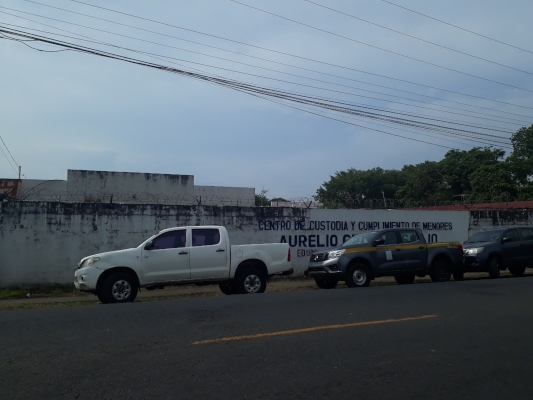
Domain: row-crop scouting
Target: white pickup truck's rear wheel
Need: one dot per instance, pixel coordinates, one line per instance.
(119, 287)
(250, 280)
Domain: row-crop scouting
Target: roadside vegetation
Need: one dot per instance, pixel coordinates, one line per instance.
(44, 297)
(479, 175)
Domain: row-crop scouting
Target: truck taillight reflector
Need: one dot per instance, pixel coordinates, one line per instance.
(289, 255)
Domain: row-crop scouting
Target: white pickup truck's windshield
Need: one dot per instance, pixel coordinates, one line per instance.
(360, 238)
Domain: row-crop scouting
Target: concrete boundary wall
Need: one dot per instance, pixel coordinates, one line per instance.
(42, 242)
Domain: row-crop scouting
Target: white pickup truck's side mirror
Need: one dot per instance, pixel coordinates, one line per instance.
(149, 245)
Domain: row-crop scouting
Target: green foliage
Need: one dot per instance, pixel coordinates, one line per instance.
(261, 199)
(457, 166)
(424, 183)
(349, 189)
(522, 144)
(479, 174)
(493, 183)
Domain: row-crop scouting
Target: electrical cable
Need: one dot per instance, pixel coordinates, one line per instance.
(7, 158)
(458, 27)
(229, 83)
(268, 69)
(269, 50)
(382, 49)
(314, 87)
(417, 38)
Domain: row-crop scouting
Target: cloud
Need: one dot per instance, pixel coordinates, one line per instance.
(69, 110)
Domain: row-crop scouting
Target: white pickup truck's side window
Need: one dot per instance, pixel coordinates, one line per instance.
(170, 240)
(209, 254)
(205, 237)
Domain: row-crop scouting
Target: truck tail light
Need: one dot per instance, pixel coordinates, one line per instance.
(289, 255)
(461, 248)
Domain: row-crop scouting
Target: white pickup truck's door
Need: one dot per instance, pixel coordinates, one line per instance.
(168, 259)
(209, 254)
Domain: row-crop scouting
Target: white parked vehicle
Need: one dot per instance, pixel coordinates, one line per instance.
(181, 255)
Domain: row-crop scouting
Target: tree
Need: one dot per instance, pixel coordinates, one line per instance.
(424, 184)
(521, 162)
(353, 188)
(458, 165)
(493, 183)
(522, 142)
(261, 199)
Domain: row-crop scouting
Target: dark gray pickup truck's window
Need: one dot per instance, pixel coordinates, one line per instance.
(527, 233)
(389, 237)
(513, 234)
(408, 237)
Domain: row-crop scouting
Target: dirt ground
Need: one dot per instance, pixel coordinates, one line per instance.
(276, 284)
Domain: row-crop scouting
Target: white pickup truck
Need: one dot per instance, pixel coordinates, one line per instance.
(181, 255)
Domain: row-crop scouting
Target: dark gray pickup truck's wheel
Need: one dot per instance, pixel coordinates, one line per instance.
(404, 279)
(494, 267)
(357, 275)
(226, 288)
(325, 283)
(250, 280)
(517, 271)
(119, 287)
(441, 271)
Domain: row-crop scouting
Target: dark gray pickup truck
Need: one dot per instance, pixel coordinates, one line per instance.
(402, 253)
(499, 249)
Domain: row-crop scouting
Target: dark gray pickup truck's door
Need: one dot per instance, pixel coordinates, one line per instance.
(512, 250)
(389, 256)
(526, 246)
(414, 253)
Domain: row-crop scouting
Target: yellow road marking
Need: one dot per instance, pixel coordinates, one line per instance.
(316, 328)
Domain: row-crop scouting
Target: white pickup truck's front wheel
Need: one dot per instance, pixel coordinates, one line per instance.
(250, 280)
(119, 287)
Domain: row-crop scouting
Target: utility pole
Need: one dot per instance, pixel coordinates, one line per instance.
(19, 171)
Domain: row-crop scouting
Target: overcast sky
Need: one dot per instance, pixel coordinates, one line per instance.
(71, 110)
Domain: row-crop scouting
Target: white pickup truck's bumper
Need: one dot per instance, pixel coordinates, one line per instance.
(86, 278)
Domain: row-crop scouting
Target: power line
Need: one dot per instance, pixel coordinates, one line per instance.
(293, 83)
(272, 70)
(269, 50)
(458, 27)
(382, 49)
(16, 163)
(7, 158)
(239, 86)
(418, 38)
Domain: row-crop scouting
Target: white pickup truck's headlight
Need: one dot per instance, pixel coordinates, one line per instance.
(335, 254)
(474, 251)
(92, 261)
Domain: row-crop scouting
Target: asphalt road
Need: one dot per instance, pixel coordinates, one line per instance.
(455, 340)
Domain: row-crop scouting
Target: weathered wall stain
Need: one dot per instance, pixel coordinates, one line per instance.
(42, 242)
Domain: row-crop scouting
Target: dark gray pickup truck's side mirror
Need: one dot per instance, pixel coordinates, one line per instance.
(507, 239)
(377, 242)
(149, 245)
